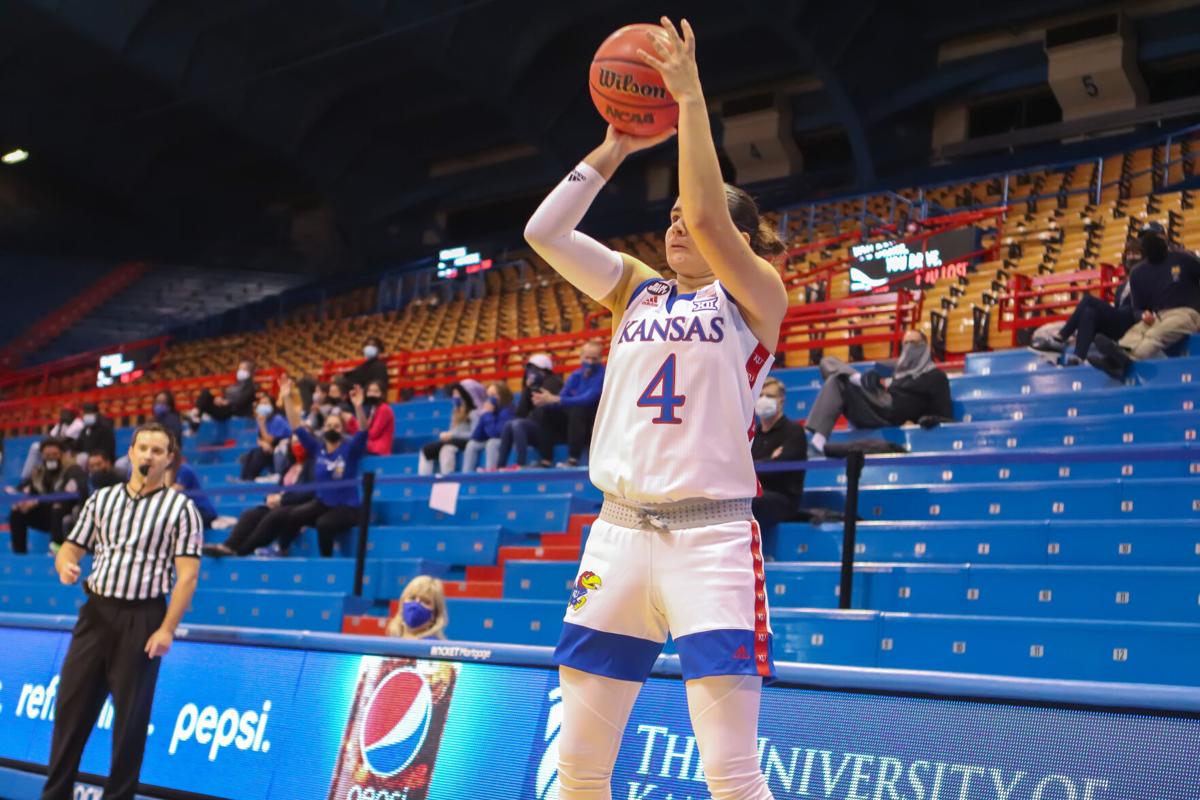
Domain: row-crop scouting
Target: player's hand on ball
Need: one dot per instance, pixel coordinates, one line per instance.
(627, 143)
(159, 643)
(68, 573)
(675, 60)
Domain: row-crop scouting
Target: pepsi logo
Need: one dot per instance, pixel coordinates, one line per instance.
(395, 723)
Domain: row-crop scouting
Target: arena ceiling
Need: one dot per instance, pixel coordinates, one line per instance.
(310, 134)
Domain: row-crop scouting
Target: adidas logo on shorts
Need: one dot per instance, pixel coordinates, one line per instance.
(741, 653)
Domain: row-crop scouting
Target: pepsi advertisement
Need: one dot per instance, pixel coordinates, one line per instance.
(240, 721)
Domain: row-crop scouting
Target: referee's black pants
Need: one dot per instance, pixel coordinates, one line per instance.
(107, 654)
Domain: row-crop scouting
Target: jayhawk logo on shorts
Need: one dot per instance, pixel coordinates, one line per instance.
(586, 580)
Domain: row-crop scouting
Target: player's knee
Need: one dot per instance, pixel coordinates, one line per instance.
(737, 780)
(581, 777)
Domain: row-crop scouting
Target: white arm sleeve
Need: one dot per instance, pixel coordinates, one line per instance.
(590, 266)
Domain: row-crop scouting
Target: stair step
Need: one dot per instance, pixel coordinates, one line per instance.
(521, 553)
(479, 573)
(364, 625)
(491, 589)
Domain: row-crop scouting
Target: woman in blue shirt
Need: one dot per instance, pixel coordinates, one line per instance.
(336, 457)
(273, 428)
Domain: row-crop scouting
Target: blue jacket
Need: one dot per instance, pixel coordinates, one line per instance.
(340, 464)
(186, 477)
(582, 389)
(491, 424)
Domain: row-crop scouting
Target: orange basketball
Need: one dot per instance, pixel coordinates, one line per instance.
(627, 91)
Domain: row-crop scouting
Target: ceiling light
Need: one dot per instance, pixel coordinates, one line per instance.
(15, 157)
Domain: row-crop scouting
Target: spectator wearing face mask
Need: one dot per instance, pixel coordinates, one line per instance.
(526, 427)
(55, 474)
(422, 613)
(236, 401)
(256, 527)
(66, 430)
(577, 403)
(917, 391)
(336, 457)
(468, 397)
(495, 413)
(272, 429)
(167, 415)
(372, 369)
(776, 438)
(101, 471)
(97, 434)
(1165, 292)
(376, 418)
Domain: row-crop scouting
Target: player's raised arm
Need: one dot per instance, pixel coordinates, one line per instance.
(702, 193)
(599, 272)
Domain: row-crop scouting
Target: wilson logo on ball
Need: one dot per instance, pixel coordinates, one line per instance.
(627, 84)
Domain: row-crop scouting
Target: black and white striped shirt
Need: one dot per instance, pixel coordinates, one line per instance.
(134, 541)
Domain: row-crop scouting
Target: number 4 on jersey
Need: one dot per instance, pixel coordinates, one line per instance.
(666, 401)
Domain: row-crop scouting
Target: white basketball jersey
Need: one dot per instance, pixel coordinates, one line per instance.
(677, 413)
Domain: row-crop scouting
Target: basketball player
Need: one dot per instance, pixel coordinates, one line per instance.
(676, 547)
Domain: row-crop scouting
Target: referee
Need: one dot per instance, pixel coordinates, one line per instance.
(136, 532)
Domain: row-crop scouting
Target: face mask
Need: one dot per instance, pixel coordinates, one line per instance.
(243, 374)
(370, 351)
(298, 451)
(51, 465)
(1154, 248)
(371, 402)
(264, 409)
(456, 400)
(325, 408)
(89, 419)
(766, 407)
(160, 409)
(493, 399)
(333, 437)
(416, 615)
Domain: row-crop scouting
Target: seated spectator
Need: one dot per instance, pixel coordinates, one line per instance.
(57, 473)
(167, 415)
(273, 428)
(1165, 293)
(422, 613)
(496, 412)
(1091, 316)
(256, 527)
(374, 368)
(375, 417)
(185, 479)
(101, 471)
(578, 401)
(917, 392)
(469, 397)
(776, 438)
(336, 457)
(235, 401)
(66, 431)
(321, 405)
(529, 421)
(97, 434)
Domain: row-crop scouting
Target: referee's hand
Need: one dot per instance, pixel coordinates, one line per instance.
(159, 643)
(68, 573)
